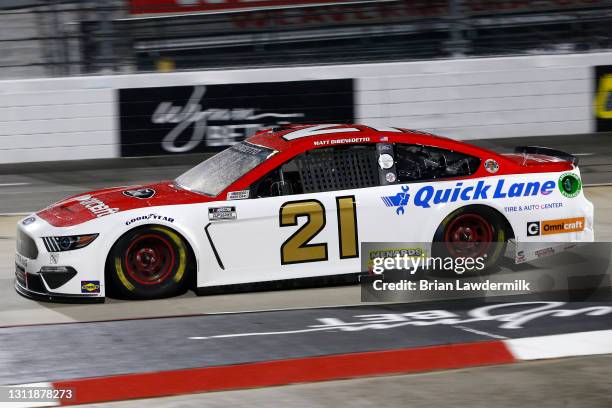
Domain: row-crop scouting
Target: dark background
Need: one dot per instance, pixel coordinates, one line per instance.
(320, 101)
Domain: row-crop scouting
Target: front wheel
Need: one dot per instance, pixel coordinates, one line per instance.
(149, 262)
(472, 232)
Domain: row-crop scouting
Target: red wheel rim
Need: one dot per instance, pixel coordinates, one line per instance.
(468, 235)
(149, 259)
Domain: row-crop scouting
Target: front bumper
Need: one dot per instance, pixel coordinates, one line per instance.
(68, 277)
(32, 286)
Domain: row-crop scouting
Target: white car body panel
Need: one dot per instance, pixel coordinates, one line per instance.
(249, 246)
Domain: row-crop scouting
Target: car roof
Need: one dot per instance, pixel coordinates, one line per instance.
(305, 137)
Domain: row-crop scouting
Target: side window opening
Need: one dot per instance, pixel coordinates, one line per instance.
(339, 168)
(325, 169)
(417, 163)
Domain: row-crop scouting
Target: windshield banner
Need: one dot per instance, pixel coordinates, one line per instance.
(408, 8)
(207, 118)
(191, 6)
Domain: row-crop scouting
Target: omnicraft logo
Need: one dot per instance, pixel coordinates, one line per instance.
(429, 195)
(551, 227)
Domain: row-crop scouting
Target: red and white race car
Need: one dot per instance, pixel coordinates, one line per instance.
(296, 202)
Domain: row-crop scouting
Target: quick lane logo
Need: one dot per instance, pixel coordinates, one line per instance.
(90, 286)
(400, 200)
(429, 195)
(551, 227)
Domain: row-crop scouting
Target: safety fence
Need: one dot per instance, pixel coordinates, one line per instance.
(52, 38)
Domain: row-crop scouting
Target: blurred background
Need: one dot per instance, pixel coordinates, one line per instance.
(124, 92)
(86, 84)
(51, 38)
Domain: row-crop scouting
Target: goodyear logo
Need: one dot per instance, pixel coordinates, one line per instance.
(429, 195)
(90, 286)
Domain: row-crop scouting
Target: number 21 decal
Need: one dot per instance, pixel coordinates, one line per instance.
(298, 249)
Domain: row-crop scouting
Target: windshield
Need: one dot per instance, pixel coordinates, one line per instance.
(214, 175)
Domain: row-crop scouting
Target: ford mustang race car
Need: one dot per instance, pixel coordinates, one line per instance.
(296, 202)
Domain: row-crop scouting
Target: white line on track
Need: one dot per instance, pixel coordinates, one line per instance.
(14, 184)
(482, 333)
(64, 192)
(561, 345)
(583, 154)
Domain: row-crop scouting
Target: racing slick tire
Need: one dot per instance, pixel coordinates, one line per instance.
(473, 232)
(148, 262)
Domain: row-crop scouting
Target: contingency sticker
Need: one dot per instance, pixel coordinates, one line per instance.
(238, 195)
(90, 286)
(222, 213)
(550, 227)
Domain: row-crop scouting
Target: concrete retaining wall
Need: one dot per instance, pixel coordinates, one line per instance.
(76, 118)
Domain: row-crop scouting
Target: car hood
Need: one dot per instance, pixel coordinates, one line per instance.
(101, 203)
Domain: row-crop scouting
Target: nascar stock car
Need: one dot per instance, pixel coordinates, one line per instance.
(295, 202)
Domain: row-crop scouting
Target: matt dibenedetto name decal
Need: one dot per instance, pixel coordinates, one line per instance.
(341, 141)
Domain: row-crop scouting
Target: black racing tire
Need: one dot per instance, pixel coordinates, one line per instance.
(149, 262)
(473, 232)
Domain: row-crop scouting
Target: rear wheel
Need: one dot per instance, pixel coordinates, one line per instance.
(472, 232)
(149, 262)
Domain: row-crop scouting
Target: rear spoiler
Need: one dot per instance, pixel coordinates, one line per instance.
(545, 151)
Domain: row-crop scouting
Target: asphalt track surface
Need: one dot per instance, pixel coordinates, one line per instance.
(73, 351)
(79, 349)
